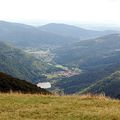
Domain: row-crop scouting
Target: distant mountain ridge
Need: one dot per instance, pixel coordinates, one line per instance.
(29, 36)
(73, 31)
(48, 35)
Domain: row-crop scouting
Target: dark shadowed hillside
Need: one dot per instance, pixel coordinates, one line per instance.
(10, 84)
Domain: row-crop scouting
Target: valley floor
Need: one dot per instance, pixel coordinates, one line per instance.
(40, 107)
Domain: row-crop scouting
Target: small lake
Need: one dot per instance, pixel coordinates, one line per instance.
(44, 85)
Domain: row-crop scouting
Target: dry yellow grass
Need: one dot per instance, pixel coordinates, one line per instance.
(40, 107)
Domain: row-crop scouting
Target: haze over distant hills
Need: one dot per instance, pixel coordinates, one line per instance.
(51, 34)
(26, 36)
(73, 31)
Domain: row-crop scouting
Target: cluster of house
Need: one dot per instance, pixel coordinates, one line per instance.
(67, 73)
(47, 85)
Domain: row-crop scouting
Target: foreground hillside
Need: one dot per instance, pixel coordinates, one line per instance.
(37, 107)
(8, 84)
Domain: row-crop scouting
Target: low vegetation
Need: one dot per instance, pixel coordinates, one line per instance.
(51, 107)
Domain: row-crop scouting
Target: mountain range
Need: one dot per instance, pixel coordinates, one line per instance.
(48, 35)
(28, 36)
(95, 53)
(73, 31)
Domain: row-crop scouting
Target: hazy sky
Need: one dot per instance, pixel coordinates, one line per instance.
(76, 11)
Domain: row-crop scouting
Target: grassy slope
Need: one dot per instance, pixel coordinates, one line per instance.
(37, 107)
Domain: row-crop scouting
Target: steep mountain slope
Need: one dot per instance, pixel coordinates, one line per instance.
(21, 65)
(110, 86)
(10, 84)
(73, 31)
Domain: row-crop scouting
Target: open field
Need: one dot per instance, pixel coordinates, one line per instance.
(39, 107)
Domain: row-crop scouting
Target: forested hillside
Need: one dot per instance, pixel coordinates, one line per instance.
(91, 52)
(15, 62)
(110, 86)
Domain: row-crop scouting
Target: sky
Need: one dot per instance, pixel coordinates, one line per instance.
(64, 11)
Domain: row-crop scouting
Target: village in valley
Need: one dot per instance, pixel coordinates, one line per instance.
(67, 73)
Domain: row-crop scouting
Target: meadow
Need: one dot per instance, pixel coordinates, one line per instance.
(53, 107)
